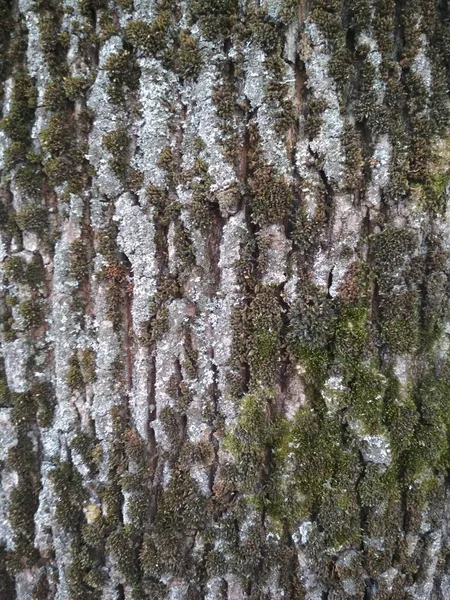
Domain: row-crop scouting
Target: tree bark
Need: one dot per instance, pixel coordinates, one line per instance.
(224, 368)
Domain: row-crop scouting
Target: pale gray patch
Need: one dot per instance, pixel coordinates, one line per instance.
(380, 171)
(387, 578)
(313, 588)
(256, 80)
(333, 391)
(144, 10)
(201, 120)
(423, 590)
(107, 118)
(421, 63)
(136, 239)
(290, 46)
(277, 248)
(328, 142)
(157, 93)
(290, 289)
(16, 355)
(376, 449)
(375, 58)
(8, 437)
(8, 483)
(3, 146)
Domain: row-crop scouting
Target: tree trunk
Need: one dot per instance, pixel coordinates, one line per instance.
(224, 367)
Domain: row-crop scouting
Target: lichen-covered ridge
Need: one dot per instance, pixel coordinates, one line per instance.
(224, 353)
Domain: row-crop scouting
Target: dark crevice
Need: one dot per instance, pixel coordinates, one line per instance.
(215, 395)
(120, 592)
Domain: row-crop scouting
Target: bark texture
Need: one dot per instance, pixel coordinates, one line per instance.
(224, 368)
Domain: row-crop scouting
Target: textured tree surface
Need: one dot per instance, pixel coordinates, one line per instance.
(225, 368)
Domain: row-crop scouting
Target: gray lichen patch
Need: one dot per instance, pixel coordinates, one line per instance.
(328, 143)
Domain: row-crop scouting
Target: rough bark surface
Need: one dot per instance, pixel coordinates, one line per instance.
(224, 368)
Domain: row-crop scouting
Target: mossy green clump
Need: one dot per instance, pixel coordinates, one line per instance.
(66, 156)
(24, 499)
(430, 449)
(398, 274)
(190, 355)
(14, 267)
(11, 301)
(74, 87)
(171, 417)
(149, 38)
(203, 202)
(313, 117)
(108, 24)
(199, 453)
(24, 409)
(44, 396)
(31, 313)
(53, 42)
(88, 360)
(188, 59)
(167, 161)
(124, 546)
(85, 445)
(367, 109)
(224, 97)
(289, 10)
(55, 98)
(312, 322)
(354, 159)
(277, 91)
(118, 144)
(183, 247)
(79, 264)
(124, 74)
(263, 352)
(391, 250)
(272, 197)
(256, 437)
(5, 395)
(18, 122)
(324, 475)
(433, 193)
(23, 504)
(89, 7)
(179, 391)
(400, 320)
(29, 178)
(158, 322)
(84, 576)
(135, 180)
(9, 331)
(364, 397)
(161, 38)
(34, 218)
(263, 30)
(115, 276)
(327, 14)
(75, 379)
(68, 485)
(35, 272)
(315, 442)
(352, 335)
(181, 512)
(400, 417)
(215, 17)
